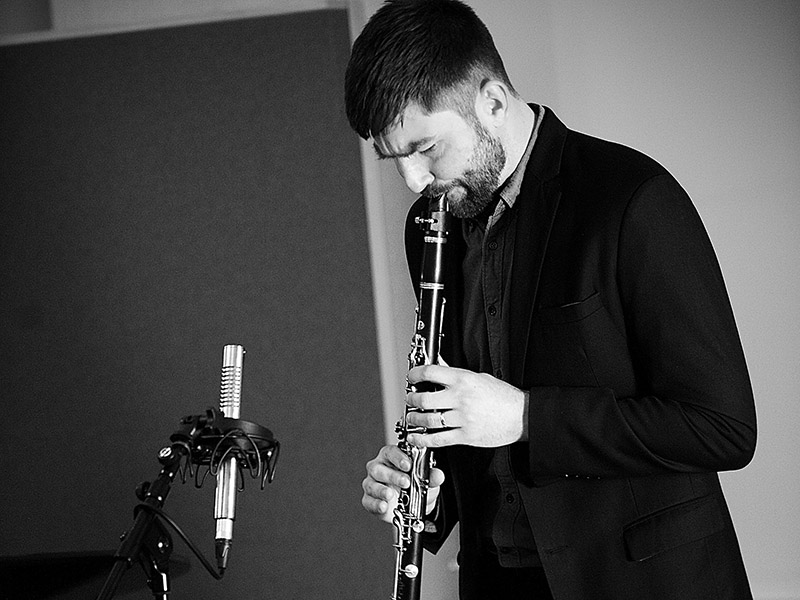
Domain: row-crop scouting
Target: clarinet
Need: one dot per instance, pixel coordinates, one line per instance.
(409, 516)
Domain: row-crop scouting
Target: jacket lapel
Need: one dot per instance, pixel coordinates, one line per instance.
(538, 205)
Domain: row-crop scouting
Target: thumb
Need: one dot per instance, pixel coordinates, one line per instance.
(436, 480)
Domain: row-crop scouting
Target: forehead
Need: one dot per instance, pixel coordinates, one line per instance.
(416, 128)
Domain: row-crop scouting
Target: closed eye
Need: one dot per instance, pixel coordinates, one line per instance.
(419, 147)
(428, 150)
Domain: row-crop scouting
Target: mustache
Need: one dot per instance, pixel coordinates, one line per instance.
(436, 191)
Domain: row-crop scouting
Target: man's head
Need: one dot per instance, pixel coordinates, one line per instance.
(427, 84)
(432, 53)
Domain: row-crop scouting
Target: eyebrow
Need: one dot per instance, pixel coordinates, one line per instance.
(413, 147)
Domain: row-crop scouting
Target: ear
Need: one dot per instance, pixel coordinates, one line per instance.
(492, 103)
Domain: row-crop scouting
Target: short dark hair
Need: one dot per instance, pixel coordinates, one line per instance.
(435, 53)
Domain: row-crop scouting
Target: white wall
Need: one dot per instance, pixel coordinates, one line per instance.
(711, 89)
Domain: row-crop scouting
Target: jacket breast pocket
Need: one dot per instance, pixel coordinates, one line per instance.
(573, 311)
(580, 344)
(672, 527)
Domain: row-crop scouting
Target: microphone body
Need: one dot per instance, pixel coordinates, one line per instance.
(225, 498)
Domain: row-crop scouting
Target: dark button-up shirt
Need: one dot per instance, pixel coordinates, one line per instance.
(486, 270)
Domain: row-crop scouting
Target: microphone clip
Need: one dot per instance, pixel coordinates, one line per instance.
(211, 437)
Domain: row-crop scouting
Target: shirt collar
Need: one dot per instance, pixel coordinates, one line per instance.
(509, 191)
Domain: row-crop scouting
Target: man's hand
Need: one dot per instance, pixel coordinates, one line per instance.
(475, 409)
(387, 474)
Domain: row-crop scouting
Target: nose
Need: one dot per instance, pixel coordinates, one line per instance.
(415, 173)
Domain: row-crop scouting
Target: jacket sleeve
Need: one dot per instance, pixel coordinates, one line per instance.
(689, 405)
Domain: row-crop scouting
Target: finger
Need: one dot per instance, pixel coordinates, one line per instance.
(381, 508)
(450, 437)
(430, 373)
(430, 501)
(436, 478)
(392, 455)
(427, 400)
(379, 499)
(375, 506)
(438, 419)
(387, 475)
(378, 491)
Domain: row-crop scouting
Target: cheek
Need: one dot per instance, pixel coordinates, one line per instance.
(450, 167)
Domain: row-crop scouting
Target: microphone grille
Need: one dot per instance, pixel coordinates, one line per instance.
(231, 383)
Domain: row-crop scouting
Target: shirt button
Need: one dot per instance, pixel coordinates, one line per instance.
(492, 245)
(492, 310)
(510, 498)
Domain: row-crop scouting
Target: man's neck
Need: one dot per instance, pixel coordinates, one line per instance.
(518, 133)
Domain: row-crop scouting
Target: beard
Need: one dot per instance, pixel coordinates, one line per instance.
(470, 194)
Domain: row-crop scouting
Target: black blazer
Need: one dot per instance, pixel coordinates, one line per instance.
(622, 331)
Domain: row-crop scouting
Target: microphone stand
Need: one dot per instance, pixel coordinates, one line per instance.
(148, 539)
(203, 440)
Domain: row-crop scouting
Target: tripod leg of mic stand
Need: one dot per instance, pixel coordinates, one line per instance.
(154, 558)
(146, 537)
(129, 550)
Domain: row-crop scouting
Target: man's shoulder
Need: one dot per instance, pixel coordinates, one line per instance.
(577, 153)
(593, 175)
